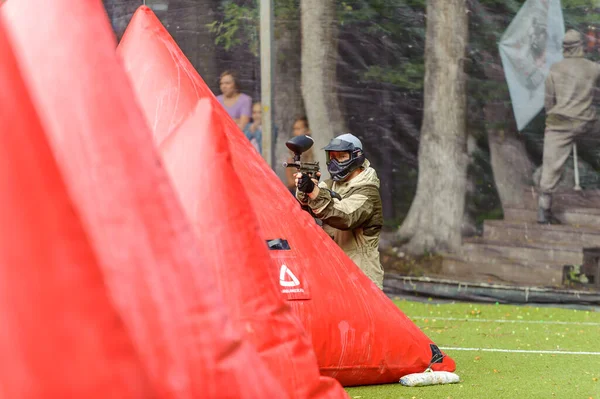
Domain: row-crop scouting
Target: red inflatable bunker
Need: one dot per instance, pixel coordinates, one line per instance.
(359, 335)
(51, 288)
(156, 277)
(197, 157)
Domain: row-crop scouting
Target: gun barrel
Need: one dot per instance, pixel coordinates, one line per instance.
(310, 167)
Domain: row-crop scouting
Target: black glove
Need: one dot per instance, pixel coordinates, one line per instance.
(305, 184)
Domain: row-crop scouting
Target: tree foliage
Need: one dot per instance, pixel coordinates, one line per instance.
(398, 26)
(241, 23)
(381, 48)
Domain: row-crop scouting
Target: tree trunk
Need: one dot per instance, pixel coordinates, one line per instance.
(511, 165)
(434, 220)
(319, 63)
(469, 224)
(288, 93)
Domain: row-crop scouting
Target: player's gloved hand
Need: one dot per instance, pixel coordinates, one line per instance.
(305, 184)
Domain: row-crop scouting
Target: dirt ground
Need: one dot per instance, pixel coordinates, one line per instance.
(394, 260)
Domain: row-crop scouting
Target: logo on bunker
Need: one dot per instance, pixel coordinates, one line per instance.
(288, 280)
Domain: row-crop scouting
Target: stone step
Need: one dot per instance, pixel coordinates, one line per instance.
(527, 232)
(504, 271)
(562, 199)
(524, 264)
(573, 216)
(535, 253)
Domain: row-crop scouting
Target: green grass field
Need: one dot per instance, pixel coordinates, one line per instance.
(506, 352)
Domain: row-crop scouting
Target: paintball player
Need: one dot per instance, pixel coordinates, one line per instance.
(355, 221)
(570, 90)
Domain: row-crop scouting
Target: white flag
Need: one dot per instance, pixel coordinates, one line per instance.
(529, 46)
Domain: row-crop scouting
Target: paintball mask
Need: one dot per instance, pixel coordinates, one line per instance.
(344, 143)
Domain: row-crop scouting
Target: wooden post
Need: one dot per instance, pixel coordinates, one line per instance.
(266, 78)
(576, 168)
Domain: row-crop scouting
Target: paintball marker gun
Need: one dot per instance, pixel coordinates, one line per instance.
(299, 145)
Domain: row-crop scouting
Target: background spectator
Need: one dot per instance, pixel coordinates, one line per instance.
(253, 130)
(300, 128)
(237, 104)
